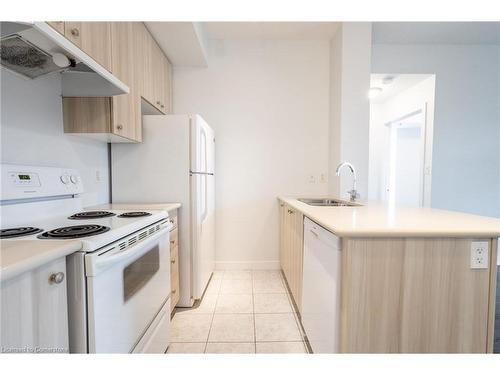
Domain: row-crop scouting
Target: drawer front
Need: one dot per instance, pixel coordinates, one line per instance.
(174, 238)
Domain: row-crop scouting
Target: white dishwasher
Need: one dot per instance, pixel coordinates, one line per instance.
(321, 288)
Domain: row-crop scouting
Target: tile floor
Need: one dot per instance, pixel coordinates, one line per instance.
(241, 312)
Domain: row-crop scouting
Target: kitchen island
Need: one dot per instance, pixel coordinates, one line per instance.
(407, 279)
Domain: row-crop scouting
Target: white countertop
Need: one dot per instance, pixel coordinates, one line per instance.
(17, 257)
(377, 220)
(136, 206)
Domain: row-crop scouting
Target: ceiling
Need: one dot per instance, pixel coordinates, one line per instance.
(436, 32)
(182, 42)
(270, 30)
(400, 83)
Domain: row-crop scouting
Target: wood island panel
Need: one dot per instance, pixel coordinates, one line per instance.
(415, 295)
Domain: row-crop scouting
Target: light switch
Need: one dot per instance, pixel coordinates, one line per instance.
(479, 254)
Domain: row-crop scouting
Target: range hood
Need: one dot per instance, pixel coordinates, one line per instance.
(33, 50)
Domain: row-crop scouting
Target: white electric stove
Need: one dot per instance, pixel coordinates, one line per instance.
(119, 281)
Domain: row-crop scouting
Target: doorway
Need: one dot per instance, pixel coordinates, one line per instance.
(401, 131)
(404, 185)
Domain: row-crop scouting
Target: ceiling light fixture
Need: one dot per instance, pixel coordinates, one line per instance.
(374, 92)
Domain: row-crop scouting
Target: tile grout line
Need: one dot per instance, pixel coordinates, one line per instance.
(297, 322)
(295, 315)
(213, 316)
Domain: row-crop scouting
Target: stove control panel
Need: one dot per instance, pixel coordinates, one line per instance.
(24, 181)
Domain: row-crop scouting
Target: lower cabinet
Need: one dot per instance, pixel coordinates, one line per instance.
(34, 314)
(291, 250)
(174, 262)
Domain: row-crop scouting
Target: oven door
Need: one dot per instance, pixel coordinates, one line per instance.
(126, 290)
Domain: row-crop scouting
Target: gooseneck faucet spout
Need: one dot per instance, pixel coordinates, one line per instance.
(352, 193)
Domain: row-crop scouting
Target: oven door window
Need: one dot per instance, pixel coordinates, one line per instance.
(137, 274)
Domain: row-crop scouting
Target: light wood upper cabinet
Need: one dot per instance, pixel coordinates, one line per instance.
(126, 116)
(57, 25)
(143, 46)
(93, 38)
(134, 58)
(156, 70)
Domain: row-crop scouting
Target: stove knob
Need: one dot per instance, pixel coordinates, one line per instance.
(74, 179)
(65, 179)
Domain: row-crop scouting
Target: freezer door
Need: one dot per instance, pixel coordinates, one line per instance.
(202, 146)
(203, 230)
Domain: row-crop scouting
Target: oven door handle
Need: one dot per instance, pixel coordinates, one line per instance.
(95, 264)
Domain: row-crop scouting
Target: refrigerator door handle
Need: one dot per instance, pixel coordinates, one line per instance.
(202, 173)
(205, 201)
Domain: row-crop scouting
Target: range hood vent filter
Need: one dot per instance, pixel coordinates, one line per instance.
(26, 59)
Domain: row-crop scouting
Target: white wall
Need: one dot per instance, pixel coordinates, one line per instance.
(466, 173)
(32, 133)
(349, 106)
(268, 104)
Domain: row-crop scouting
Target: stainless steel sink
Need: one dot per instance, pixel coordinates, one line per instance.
(327, 202)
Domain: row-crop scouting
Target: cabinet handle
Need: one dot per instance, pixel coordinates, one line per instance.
(174, 291)
(157, 103)
(119, 126)
(56, 278)
(172, 242)
(162, 106)
(282, 204)
(290, 211)
(75, 31)
(172, 261)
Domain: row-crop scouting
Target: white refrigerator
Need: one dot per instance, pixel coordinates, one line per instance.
(175, 163)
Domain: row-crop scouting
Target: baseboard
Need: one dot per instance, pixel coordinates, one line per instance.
(263, 265)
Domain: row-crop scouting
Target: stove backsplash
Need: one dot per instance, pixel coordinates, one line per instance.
(32, 133)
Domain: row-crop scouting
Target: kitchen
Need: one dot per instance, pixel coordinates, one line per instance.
(184, 194)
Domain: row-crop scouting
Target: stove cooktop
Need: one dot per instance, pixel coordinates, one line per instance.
(19, 232)
(91, 215)
(92, 232)
(135, 214)
(74, 231)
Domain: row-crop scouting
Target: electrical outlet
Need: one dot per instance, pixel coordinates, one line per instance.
(322, 178)
(98, 175)
(312, 179)
(479, 255)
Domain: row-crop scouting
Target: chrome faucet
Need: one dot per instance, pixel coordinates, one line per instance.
(352, 193)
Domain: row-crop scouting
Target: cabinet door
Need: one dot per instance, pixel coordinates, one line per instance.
(93, 38)
(166, 95)
(298, 257)
(286, 242)
(126, 113)
(282, 212)
(292, 249)
(34, 315)
(57, 25)
(143, 46)
(159, 77)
